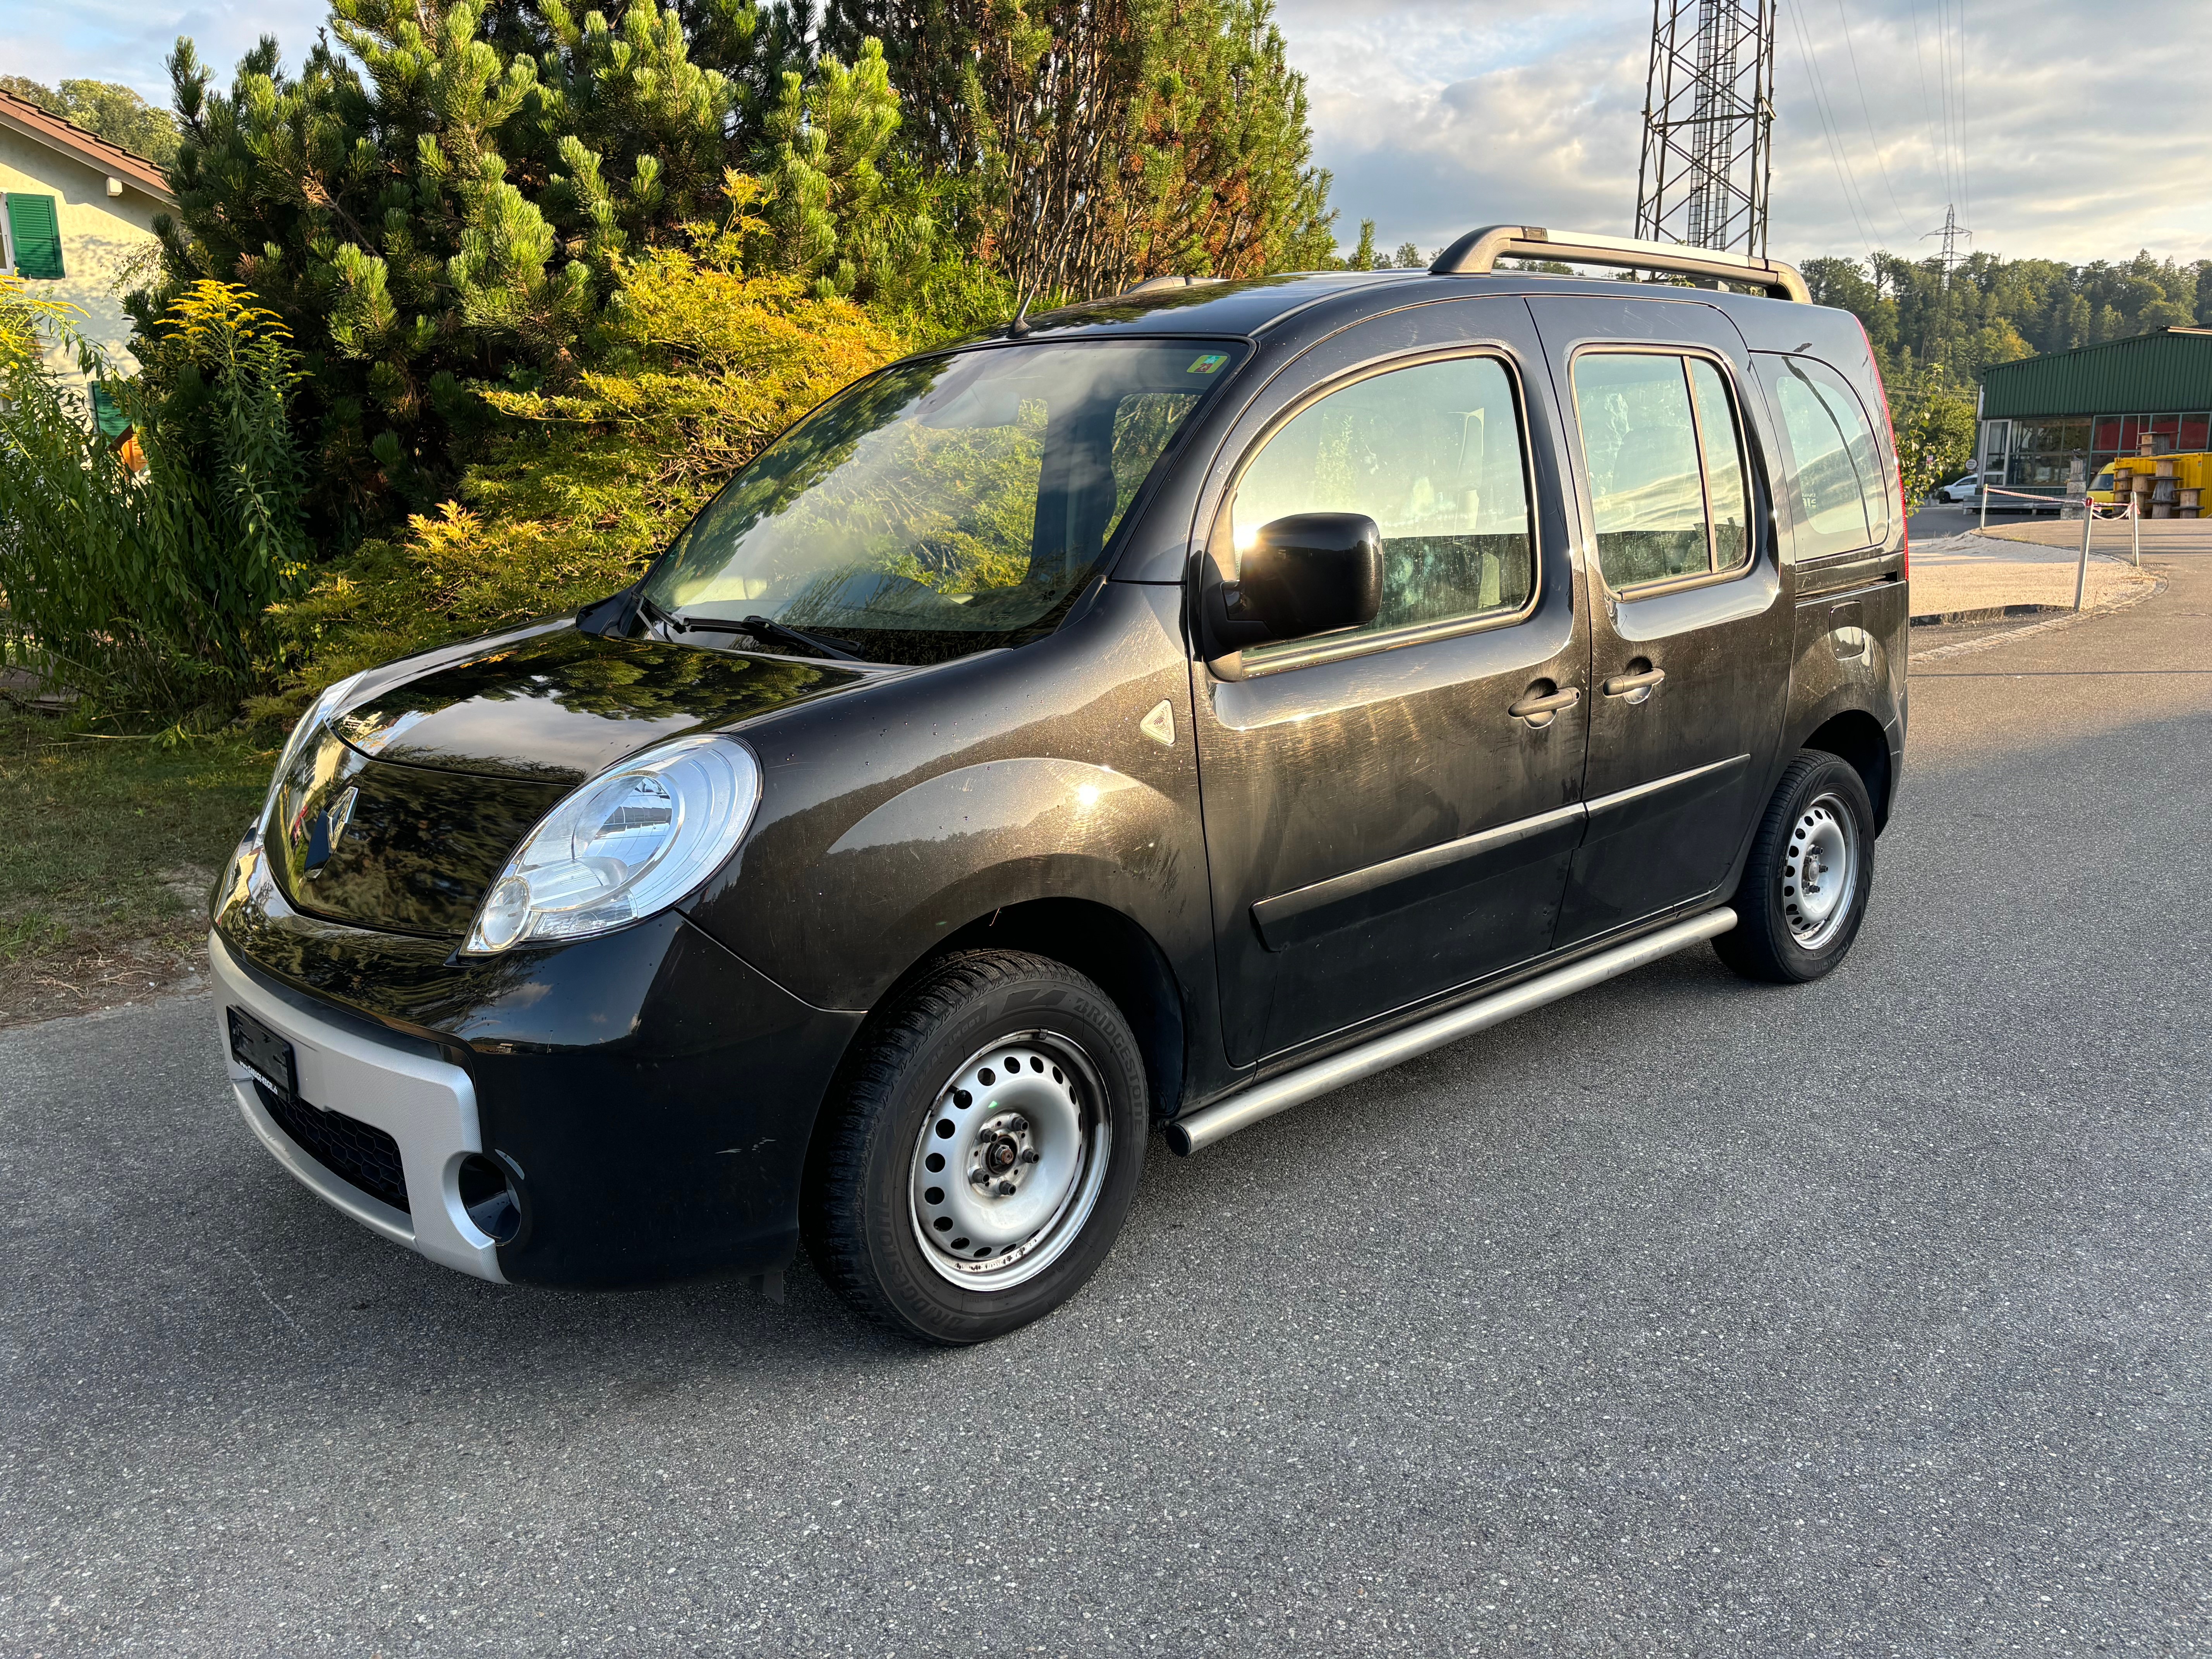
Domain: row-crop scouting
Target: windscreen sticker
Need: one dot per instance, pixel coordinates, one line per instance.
(1208, 363)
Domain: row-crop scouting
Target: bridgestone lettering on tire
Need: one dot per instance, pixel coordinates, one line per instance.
(983, 1149)
(1804, 890)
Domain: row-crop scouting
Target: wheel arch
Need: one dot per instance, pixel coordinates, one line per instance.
(1856, 735)
(1111, 948)
(1098, 941)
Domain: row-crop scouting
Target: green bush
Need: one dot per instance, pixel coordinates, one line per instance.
(1933, 411)
(147, 594)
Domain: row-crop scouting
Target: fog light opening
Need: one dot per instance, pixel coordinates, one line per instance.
(488, 1195)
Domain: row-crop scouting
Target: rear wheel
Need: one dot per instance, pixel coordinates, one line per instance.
(1804, 890)
(985, 1150)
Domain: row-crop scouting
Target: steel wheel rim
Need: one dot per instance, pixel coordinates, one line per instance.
(1819, 872)
(1027, 1113)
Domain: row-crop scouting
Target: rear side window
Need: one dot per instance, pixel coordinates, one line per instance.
(1664, 452)
(1432, 454)
(1843, 493)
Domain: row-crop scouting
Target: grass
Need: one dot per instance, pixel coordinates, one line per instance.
(107, 847)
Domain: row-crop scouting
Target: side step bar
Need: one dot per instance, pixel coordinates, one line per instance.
(1241, 1111)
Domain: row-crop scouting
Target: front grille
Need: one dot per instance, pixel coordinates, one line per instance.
(352, 1151)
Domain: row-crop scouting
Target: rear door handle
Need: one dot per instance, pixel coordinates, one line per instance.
(1627, 685)
(1538, 707)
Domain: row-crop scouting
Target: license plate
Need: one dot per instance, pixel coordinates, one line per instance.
(263, 1053)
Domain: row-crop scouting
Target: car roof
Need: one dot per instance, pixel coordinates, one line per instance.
(1256, 305)
(1240, 308)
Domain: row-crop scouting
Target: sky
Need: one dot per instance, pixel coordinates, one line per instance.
(2069, 132)
(2082, 135)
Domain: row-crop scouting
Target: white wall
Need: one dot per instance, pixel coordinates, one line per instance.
(100, 234)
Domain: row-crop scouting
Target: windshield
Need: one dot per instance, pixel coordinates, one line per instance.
(942, 507)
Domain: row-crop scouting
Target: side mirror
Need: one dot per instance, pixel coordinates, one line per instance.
(1311, 572)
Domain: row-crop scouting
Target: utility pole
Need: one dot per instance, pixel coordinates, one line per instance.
(1952, 231)
(1708, 124)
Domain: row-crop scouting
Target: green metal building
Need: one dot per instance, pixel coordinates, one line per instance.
(2043, 416)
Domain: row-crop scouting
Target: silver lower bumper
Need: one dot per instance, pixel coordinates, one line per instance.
(426, 1105)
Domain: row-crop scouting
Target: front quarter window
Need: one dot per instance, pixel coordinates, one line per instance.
(946, 506)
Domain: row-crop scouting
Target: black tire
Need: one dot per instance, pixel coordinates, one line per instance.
(1773, 939)
(864, 1214)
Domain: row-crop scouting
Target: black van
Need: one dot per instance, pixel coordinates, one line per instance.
(1157, 713)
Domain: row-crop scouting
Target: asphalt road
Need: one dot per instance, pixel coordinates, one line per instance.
(1933, 519)
(1869, 1318)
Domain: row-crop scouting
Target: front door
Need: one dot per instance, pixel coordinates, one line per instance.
(1690, 633)
(1390, 811)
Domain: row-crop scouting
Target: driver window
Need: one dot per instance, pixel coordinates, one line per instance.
(1432, 454)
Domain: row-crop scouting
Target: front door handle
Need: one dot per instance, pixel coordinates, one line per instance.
(1635, 686)
(1541, 703)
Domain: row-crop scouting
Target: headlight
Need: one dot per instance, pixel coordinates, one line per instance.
(310, 723)
(625, 845)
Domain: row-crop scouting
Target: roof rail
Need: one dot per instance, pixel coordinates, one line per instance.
(1478, 251)
(1159, 284)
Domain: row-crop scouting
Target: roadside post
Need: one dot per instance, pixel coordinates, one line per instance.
(2081, 571)
(2134, 531)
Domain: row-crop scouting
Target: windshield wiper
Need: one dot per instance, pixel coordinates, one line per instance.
(760, 628)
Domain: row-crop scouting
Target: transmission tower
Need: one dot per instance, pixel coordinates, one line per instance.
(1952, 231)
(1708, 124)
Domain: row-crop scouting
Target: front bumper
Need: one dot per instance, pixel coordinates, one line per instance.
(650, 1095)
(428, 1106)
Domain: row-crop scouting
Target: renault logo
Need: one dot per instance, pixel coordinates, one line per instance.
(324, 830)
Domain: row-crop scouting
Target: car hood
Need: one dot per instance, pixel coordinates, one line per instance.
(402, 810)
(562, 706)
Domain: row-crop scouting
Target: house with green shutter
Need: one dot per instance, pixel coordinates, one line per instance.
(75, 211)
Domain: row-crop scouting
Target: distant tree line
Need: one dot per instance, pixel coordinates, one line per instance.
(106, 110)
(1995, 310)
(1935, 338)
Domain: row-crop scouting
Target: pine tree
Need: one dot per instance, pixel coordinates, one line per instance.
(1087, 143)
(441, 198)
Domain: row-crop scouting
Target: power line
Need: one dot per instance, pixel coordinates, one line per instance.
(1873, 142)
(1965, 179)
(1862, 222)
(1952, 67)
(1938, 147)
(1855, 197)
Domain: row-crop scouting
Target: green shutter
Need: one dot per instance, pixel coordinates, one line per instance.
(37, 232)
(107, 415)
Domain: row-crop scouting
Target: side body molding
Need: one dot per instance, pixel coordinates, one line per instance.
(1627, 808)
(1358, 896)
(1314, 911)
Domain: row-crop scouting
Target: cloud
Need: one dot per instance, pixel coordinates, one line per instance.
(112, 40)
(2083, 130)
(2074, 143)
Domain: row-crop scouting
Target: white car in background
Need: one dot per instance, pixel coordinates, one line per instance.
(1966, 487)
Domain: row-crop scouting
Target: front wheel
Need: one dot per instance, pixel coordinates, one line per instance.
(1804, 891)
(985, 1150)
